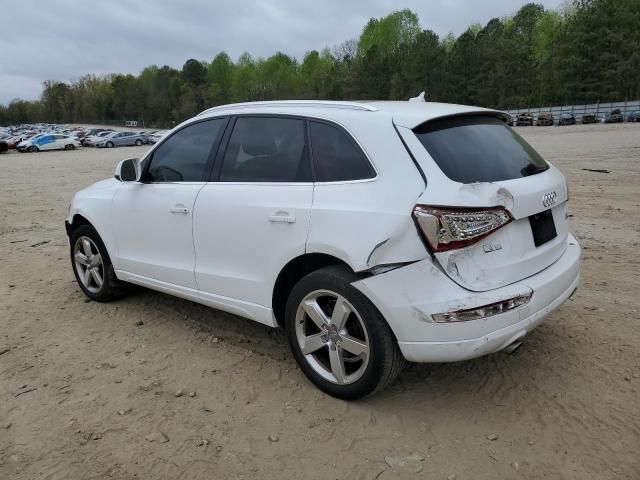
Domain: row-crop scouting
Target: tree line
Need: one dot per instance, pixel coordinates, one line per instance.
(587, 51)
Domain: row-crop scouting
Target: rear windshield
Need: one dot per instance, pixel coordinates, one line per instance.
(473, 149)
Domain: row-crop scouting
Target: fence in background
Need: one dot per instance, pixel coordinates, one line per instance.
(598, 109)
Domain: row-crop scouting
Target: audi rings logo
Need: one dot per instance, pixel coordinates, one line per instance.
(549, 198)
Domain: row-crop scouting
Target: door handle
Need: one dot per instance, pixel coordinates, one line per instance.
(179, 208)
(282, 217)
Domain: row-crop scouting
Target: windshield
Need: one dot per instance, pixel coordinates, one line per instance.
(477, 148)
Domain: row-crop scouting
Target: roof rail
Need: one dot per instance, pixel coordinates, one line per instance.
(294, 103)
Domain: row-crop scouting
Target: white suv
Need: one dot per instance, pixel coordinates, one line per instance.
(371, 232)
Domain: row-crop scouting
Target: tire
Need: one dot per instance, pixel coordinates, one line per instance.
(85, 241)
(373, 368)
(70, 147)
(138, 142)
(109, 145)
(33, 149)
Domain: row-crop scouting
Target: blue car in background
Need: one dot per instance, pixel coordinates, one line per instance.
(633, 116)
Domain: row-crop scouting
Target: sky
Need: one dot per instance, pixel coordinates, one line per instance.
(65, 39)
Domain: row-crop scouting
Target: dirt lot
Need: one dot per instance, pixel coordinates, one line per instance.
(87, 392)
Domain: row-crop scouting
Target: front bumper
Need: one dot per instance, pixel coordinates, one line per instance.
(408, 296)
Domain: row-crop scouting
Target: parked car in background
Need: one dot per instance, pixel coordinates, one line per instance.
(144, 135)
(509, 120)
(119, 139)
(27, 142)
(525, 120)
(615, 116)
(4, 147)
(93, 140)
(157, 136)
(15, 140)
(589, 118)
(633, 116)
(545, 119)
(567, 119)
(49, 141)
(321, 220)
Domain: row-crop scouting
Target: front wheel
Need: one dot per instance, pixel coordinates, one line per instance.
(70, 147)
(32, 149)
(92, 266)
(338, 337)
(138, 142)
(109, 144)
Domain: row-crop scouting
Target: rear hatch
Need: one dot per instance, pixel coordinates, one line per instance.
(473, 164)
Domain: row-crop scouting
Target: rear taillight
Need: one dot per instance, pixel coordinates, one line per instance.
(445, 228)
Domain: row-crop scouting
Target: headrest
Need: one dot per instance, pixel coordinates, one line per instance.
(259, 142)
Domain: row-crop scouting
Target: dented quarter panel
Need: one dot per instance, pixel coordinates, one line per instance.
(408, 296)
(368, 223)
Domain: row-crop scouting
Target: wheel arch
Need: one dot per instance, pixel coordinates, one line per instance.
(79, 219)
(293, 271)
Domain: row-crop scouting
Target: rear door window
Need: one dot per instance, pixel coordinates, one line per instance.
(336, 157)
(471, 149)
(266, 149)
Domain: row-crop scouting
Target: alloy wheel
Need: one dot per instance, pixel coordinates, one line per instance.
(332, 337)
(89, 264)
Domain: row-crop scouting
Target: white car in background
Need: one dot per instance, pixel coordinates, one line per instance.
(157, 136)
(48, 141)
(371, 232)
(93, 140)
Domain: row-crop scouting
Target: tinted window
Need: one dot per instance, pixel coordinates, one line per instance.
(336, 157)
(479, 149)
(183, 157)
(266, 150)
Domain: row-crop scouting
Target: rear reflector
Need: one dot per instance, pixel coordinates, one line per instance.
(446, 228)
(482, 312)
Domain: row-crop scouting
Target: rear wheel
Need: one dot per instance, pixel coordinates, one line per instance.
(92, 266)
(338, 337)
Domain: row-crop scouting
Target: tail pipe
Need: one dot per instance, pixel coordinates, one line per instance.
(512, 347)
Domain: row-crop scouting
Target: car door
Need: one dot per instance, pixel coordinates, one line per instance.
(253, 217)
(46, 142)
(60, 141)
(128, 138)
(153, 218)
(120, 139)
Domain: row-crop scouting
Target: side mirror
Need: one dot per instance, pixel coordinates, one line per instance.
(128, 170)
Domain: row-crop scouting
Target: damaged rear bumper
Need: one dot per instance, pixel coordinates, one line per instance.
(408, 296)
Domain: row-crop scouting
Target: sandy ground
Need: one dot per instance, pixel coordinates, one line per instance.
(85, 392)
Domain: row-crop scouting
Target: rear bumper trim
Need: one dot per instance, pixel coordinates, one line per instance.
(428, 352)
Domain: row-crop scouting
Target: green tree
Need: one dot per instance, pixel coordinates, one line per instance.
(219, 79)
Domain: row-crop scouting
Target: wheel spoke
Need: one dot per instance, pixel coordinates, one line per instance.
(86, 247)
(340, 313)
(315, 313)
(81, 258)
(97, 278)
(337, 365)
(87, 277)
(313, 343)
(96, 260)
(353, 345)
